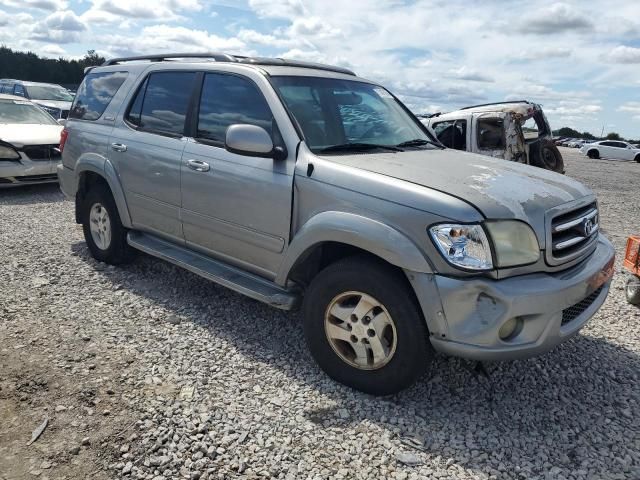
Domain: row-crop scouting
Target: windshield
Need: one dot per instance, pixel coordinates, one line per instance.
(41, 92)
(16, 111)
(333, 113)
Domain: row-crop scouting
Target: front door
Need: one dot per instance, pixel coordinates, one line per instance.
(147, 145)
(235, 207)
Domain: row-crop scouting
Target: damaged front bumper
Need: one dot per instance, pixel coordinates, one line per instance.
(547, 309)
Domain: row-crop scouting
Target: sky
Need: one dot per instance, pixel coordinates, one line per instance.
(580, 60)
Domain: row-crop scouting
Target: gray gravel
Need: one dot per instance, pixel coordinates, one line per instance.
(205, 383)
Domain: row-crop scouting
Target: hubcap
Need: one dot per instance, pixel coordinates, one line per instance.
(100, 225)
(360, 330)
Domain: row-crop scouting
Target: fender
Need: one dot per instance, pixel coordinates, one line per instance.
(352, 229)
(105, 169)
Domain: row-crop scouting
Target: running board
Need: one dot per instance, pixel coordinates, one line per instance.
(231, 277)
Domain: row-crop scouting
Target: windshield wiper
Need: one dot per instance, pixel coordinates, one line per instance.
(417, 142)
(354, 147)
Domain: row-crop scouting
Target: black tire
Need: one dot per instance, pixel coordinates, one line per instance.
(545, 154)
(637, 159)
(118, 250)
(593, 154)
(413, 351)
(632, 291)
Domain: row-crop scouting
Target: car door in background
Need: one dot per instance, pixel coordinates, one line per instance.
(235, 207)
(147, 146)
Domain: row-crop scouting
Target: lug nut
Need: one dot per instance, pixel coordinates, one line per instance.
(371, 332)
(366, 320)
(354, 339)
(354, 318)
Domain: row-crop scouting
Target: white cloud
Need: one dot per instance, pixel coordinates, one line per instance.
(559, 17)
(40, 4)
(544, 53)
(623, 54)
(112, 11)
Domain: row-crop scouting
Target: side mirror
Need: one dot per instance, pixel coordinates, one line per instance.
(62, 121)
(250, 140)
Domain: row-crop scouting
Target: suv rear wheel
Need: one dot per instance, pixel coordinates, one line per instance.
(103, 230)
(364, 328)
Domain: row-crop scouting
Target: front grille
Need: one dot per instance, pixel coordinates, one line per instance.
(36, 178)
(572, 233)
(41, 152)
(573, 312)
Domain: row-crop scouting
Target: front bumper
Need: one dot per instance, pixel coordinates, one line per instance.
(27, 172)
(550, 308)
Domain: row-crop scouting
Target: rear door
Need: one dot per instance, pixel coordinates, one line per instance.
(147, 147)
(235, 207)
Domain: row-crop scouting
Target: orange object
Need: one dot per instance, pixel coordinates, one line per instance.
(632, 254)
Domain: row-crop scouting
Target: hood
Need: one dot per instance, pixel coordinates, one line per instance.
(53, 103)
(498, 188)
(20, 135)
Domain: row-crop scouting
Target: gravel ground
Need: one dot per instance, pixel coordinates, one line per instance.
(147, 371)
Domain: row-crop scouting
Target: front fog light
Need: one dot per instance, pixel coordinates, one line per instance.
(510, 328)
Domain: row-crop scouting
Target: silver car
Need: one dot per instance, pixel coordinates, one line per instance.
(29, 140)
(303, 184)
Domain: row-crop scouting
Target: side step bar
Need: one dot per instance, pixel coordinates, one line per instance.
(231, 277)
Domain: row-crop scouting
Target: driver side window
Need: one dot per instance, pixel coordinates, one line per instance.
(452, 134)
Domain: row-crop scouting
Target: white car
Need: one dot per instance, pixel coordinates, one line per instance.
(611, 149)
(29, 140)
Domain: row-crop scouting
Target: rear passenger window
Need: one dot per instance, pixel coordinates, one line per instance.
(95, 93)
(19, 90)
(491, 134)
(161, 103)
(227, 100)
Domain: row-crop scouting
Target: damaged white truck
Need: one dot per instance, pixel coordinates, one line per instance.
(516, 131)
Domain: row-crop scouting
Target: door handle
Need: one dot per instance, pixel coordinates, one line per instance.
(119, 147)
(198, 165)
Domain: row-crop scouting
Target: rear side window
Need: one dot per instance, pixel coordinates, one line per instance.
(491, 134)
(95, 94)
(19, 90)
(161, 103)
(227, 100)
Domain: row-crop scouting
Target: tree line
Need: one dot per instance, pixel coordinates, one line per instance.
(29, 66)
(571, 133)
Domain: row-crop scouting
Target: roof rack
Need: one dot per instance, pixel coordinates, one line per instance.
(225, 57)
(495, 103)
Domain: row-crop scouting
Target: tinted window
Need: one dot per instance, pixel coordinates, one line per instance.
(95, 94)
(619, 144)
(49, 92)
(491, 133)
(607, 144)
(227, 100)
(452, 134)
(19, 90)
(162, 101)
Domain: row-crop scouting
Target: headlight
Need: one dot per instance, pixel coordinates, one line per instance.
(514, 243)
(7, 152)
(464, 246)
(54, 112)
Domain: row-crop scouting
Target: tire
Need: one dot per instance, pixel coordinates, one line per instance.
(593, 154)
(637, 159)
(632, 290)
(355, 281)
(110, 247)
(545, 154)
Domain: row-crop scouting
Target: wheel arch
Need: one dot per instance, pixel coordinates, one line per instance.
(93, 171)
(330, 236)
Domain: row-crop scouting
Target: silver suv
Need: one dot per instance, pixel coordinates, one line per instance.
(303, 184)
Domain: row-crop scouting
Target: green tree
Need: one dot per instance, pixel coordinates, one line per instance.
(613, 136)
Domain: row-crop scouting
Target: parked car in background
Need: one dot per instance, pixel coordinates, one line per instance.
(29, 140)
(611, 149)
(55, 99)
(300, 183)
(516, 131)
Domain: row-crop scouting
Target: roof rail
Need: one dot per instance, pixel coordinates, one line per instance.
(495, 103)
(224, 57)
(218, 57)
(293, 63)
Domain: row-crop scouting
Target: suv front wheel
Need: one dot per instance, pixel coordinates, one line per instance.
(364, 328)
(103, 230)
